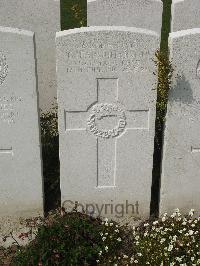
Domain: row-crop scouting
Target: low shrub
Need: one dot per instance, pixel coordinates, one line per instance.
(77, 239)
(50, 156)
(171, 240)
(70, 239)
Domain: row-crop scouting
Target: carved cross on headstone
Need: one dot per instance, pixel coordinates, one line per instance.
(195, 150)
(6, 151)
(107, 120)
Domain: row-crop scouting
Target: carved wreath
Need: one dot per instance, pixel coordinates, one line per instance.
(3, 68)
(102, 110)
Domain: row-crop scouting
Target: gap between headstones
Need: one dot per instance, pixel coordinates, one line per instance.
(159, 125)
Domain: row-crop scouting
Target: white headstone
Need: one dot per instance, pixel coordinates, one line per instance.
(180, 186)
(43, 18)
(145, 14)
(185, 15)
(20, 158)
(107, 99)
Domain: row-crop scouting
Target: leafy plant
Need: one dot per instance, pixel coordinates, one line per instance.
(73, 14)
(70, 239)
(78, 239)
(50, 155)
(171, 240)
(168, 241)
(165, 72)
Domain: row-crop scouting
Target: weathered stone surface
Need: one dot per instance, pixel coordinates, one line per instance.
(107, 99)
(180, 187)
(133, 13)
(185, 14)
(20, 157)
(43, 18)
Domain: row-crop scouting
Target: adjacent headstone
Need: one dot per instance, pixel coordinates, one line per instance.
(20, 158)
(185, 15)
(107, 100)
(43, 18)
(145, 14)
(180, 186)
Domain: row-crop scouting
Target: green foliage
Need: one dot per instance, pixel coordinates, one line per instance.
(165, 72)
(165, 24)
(172, 240)
(68, 239)
(73, 14)
(77, 239)
(164, 81)
(49, 125)
(50, 155)
(169, 241)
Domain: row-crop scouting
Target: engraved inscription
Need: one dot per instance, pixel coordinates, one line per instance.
(102, 61)
(8, 113)
(97, 53)
(3, 68)
(121, 4)
(102, 110)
